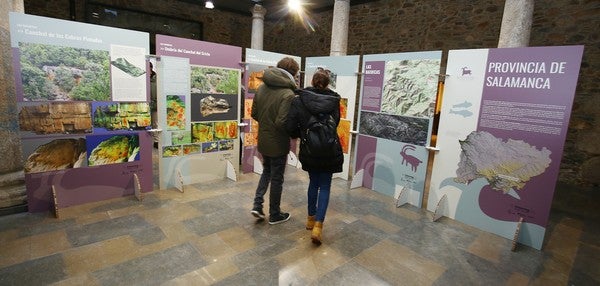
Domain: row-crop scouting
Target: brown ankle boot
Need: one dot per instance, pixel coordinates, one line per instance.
(316, 233)
(310, 222)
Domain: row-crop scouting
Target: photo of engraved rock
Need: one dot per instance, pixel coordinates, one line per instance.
(226, 130)
(212, 107)
(255, 74)
(203, 132)
(192, 149)
(54, 154)
(54, 118)
(176, 112)
(181, 137)
(171, 151)
(107, 149)
(111, 116)
(57, 73)
(411, 130)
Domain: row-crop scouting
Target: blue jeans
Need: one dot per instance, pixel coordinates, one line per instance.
(318, 194)
(273, 169)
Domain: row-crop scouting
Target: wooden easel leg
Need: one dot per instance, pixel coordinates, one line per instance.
(55, 199)
(516, 236)
(137, 188)
(441, 208)
(179, 181)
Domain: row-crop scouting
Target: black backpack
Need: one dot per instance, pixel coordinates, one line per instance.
(320, 137)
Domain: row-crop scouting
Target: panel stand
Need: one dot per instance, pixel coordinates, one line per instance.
(357, 179)
(137, 187)
(55, 200)
(401, 196)
(258, 168)
(440, 208)
(179, 181)
(231, 172)
(292, 159)
(516, 236)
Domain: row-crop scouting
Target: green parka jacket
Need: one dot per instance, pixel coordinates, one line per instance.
(270, 108)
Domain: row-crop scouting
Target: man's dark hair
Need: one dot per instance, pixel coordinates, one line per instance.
(290, 65)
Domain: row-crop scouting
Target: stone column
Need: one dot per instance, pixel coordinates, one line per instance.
(339, 28)
(12, 187)
(258, 26)
(516, 24)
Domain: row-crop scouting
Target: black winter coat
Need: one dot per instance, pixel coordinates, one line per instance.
(313, 101)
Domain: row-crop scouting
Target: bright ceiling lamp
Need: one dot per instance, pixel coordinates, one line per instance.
(209, 4)
(294, 5)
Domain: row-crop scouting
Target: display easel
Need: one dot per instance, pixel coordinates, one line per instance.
(401, 196)
(441, 208)
(179, 181)
(357, 179)
(516, 236)
(137, 188)
(231, 174)
(55, 200)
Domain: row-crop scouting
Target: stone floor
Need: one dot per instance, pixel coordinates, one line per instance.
(206, 236)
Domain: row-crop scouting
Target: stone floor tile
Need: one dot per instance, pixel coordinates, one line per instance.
(152, 269)
(352, 274)
(488, 246)
(397, 263)
(237, 238)
(92, 257)
(212, 248)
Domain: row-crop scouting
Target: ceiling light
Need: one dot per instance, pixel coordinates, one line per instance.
(294, 5)
(209, 4)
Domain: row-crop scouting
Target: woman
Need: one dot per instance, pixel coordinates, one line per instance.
(317, 100)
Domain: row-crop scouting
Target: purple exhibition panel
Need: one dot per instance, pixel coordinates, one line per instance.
(365, 158)
(90, 184)
(503, 126)
(60, 90)
(256, 62)
(526, 105)
(372, 85)
(199, 52)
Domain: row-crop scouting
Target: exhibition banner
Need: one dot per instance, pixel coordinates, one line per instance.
(343, 72)
(83, 110)
(504, 120)
(256, 62)
(198, 110)
(398, 94)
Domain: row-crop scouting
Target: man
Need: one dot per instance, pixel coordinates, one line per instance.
(270, 108)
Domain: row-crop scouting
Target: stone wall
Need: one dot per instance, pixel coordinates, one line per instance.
(390, 26)
(10, 145)
(218, 27)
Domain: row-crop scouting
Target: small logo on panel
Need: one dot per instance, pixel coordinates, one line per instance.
(465, 71)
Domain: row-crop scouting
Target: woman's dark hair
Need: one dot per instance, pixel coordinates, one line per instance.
(290, 65)
(320, 80)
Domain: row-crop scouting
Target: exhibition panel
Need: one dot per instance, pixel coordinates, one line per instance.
(83, 110)
(503, 125)
(398, 94)
(343, 74)
(197, 103)
(256, 62)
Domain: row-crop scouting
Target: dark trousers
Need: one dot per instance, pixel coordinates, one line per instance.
(273, 169)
